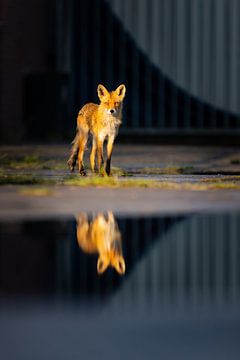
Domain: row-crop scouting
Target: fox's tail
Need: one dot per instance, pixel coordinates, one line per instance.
(74, 151)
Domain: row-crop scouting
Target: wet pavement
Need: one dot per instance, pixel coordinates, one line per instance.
(179, 296)
(92, 273)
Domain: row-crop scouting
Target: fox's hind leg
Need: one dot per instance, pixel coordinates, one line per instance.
(93, 153)
(74, 152)
(82, 144)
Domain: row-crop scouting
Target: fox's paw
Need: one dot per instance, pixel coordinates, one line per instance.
(82, 172)
(108, 170)
(71, 166)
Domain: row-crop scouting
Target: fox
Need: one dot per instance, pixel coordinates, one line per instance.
(101, 236)
(102, 121)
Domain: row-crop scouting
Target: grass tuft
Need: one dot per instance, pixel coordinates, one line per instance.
(36, 191)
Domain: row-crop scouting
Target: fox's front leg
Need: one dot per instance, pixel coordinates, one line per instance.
(109, 155)
(100, 153)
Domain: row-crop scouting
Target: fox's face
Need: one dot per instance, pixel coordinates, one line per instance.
(111, 101)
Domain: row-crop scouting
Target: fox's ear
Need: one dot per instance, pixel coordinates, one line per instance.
(102, 91)
(120, 91)
(102, 264)
(119, 265)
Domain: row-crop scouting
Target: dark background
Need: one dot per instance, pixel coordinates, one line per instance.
(55, 53)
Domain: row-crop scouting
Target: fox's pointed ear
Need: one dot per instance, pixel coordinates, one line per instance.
(102, 264)
(120, 91)
(119, 265)
(102, 91)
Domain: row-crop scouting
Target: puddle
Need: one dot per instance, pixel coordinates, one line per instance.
(73, 280)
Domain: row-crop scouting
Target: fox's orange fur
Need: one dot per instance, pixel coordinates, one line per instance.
(103, 122)
(102, 236)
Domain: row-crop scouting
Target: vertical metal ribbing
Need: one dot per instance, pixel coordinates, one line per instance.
(183, 43)
(97, 46)
(148, 90)
(226, 61)
(234, 259)
(106, 36)
(212, 61)
(206, 53)
(220, 29)
(195, 56)
(162, 94)
(123, 56)
(200, 112)
(234, 53)
(237, 73)
(135, 68)
(82, 49)
(135, 254)
(174, 34)
(193, 43)
(142, 34)
(155, 56)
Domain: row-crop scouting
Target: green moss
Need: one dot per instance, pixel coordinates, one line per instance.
(22, 179)
(235, 161)
(169, 170)
(36, 191)
(223, 179)
(116, 171)
(28, 162)
(113, 182)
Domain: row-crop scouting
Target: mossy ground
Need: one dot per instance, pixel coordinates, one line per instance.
(25, 169)
(115, 182)
(30, 162)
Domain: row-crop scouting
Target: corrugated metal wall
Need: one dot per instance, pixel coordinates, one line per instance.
(175, 260)
(194, 42)
(179, 60)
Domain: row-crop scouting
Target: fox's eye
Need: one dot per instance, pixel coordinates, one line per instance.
(105, 103)
(116, 104)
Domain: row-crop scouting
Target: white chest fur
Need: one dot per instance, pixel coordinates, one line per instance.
(111, 126)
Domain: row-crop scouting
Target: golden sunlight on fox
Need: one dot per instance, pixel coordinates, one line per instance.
(101, 235)
(102, 122)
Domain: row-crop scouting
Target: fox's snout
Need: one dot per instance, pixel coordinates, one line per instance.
(112, 111)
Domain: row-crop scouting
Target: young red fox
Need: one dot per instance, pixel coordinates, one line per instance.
(101, 236)
(102, 121)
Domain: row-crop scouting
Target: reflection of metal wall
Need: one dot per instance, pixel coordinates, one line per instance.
(169, 260)
(195, 263)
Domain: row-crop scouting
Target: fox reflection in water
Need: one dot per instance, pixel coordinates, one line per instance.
(101, 235)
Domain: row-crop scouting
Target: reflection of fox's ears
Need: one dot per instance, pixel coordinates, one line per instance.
(102, 91)
(120, 91)
(119, 265)
(110, 216)
(102, 264)
(81, 217)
